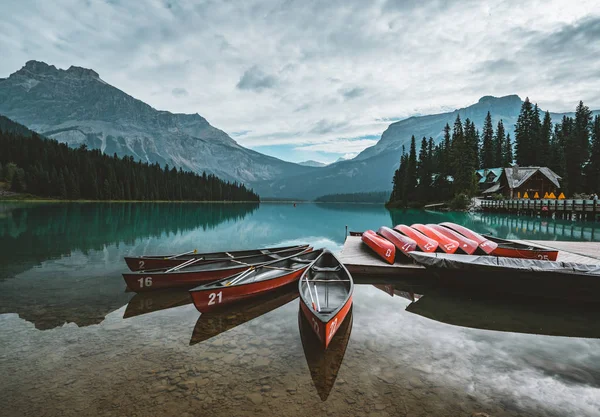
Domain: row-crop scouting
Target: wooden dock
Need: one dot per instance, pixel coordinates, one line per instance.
(359, 260)
(569, 209)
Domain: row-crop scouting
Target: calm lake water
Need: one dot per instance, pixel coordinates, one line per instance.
(74, 342)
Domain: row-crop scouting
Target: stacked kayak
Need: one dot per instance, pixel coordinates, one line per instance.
(447, 237)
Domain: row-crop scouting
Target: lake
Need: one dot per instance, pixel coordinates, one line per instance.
(74, 342)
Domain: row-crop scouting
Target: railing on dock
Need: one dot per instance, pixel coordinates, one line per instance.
(585, 209)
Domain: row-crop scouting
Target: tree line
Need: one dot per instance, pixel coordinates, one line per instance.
(46, 168)
(369, 197)
(446, 171)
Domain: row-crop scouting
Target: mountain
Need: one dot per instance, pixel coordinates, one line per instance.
(77, 107)
(311, 163)
(373, 168)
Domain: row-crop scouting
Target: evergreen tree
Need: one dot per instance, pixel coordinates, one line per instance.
(472, 142)
(499, 145)
(411, 171)
(487, 151)
(463, 169)
(508, 156)
(577, 147)
(535, 140)
(423, 171)
(524, 132)
(545, 138)
(593, 172)
(445, 163)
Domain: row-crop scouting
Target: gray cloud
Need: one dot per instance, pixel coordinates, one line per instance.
(350, 93)
(179, 92)
(327, 126)
(255, 79)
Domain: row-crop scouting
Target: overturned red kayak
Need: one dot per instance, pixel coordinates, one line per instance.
(326, 296)
(510, 249)
(425, 244)
(252, 282)
(446, 244)
(402, 242)
(190, 274)
(382, 247)
(485, 244)
(466, 245)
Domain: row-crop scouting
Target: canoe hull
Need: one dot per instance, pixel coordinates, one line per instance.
(508, 249)
(424, 243)
(402, 243)
(382, 247)
(485, 245)
(213, 298)
(140, 282)
(326, 330)
(466, 245)
(445, 244)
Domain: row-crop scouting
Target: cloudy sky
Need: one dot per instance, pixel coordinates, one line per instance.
(315, 79)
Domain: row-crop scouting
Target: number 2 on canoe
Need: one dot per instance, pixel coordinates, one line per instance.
(142, 264)
(212, 296)
(145, 282)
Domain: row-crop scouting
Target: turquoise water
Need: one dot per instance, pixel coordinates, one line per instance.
(74, 342)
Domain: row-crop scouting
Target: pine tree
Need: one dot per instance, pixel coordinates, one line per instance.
(544, 142)
(499, 145)
(423, 171)
(487, 151)
(593, 174)
(411, 171)
(508, 156)
(524, 130)
(463, 169)
(472, 142)
(445, 163)
(577, 149)
(535, 140)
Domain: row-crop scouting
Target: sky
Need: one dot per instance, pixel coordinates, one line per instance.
(315, 79)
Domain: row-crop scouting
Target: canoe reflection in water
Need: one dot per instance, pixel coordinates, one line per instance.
(324, 364)
(216, 322)
(148, 302)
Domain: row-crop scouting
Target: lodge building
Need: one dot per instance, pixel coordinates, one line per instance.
(519, 182)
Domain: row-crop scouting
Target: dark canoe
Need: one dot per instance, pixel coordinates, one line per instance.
(509, 314)
(485, 245)
(465, 244)
(382, 247)
(403, 243)
(510, 249)
(326, 295)
(493, 274)
(426, 244)
(324, 364)
(216, 322)
(193, 275)
(148, 262)
(252, 282)
(445, 244)
(148, 302)
(391, 290)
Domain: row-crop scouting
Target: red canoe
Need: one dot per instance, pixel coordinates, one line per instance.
(326, 296)
(146, 262)
(446, 244)
(467, 245)
(191, 275)
(403, 243)
(485, 244)
(382, 247)
(425, 243)
(251, 282)
(510, 249)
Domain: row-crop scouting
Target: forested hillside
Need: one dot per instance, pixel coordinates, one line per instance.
(43, 167)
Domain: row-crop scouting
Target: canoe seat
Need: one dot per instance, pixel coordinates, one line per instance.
(327, 269)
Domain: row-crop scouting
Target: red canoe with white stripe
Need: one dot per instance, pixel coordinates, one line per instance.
(403, 243)
(252, 282)
(485, 244)
(382, 247)
(446, 244)
(467, 245)
(191, 275)
(425, 243)
(326, 289)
